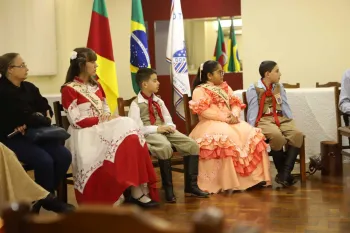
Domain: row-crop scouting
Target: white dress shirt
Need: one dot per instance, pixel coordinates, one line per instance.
(344, 99)
(134, 113)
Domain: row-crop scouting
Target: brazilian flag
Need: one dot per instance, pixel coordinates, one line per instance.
(234, 64)
(139, 57)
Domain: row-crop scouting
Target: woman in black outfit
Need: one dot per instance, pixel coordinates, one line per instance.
(22, 107)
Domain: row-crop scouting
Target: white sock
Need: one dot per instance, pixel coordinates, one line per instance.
(144, 188)
(120, 201)
(136, 192)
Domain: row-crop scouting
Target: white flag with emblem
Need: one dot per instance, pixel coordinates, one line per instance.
(177, 56)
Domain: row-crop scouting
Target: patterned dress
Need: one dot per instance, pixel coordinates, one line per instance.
(108, 156)
(232, 156)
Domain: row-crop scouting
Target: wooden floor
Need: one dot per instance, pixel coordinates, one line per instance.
(320, 205)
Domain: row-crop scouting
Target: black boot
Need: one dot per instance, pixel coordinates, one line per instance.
(167, 179)
(51, 203)
(191, 174)
(291, 179)
(278, 159)
(285, 178)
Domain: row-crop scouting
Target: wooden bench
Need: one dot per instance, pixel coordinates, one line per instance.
(91, 219)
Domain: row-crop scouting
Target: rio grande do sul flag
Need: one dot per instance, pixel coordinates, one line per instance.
(220, 48)
(101, 42)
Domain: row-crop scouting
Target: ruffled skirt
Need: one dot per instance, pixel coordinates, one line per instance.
(232, 157)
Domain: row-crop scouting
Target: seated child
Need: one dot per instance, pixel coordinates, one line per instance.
(151, 114)
(268, 109)
(232, 153)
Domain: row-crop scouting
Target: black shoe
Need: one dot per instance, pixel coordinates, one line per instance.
(191, 174)
(259, 185)
(147, 205)
(285, 183)
(167, 179)
(290, 180)
(51, 203)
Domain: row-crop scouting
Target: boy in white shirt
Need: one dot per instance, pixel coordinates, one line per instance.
(153, 117)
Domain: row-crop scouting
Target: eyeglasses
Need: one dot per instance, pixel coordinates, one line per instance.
(21, 66)
(221, 72)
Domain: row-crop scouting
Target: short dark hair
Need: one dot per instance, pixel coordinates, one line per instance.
(266, 66)
(6, 61)
(143, 75)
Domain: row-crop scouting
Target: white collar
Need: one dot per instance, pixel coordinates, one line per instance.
(261, 84)
(140, 98)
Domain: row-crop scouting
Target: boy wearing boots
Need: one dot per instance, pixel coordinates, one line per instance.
(269, 110)
(151, 114)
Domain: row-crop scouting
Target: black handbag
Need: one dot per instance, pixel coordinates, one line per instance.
(47, 133)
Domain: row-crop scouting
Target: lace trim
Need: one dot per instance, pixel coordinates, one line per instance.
(81, 176)
(199, 106)
(245, 158)
(216, 141)
(235, 101)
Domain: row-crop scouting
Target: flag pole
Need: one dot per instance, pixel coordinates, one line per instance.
(173, 108)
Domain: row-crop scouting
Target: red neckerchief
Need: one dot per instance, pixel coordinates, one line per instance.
(268, 93)
(152, 117)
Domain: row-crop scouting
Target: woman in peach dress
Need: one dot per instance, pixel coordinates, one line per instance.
(232, 153)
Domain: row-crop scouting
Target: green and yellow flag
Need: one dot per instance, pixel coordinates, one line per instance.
(234, 64)
(139, 57)
(101, 42)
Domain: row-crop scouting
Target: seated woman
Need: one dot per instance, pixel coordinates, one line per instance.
(109, 153)
(17, 186)
(22, 107)
(232, 153)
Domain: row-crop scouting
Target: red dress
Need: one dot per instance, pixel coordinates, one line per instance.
(108, 156)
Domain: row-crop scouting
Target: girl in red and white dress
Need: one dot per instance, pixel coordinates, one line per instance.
(109, 152)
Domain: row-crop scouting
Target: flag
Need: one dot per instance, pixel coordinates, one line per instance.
(220, 48)
(139, 57)
(176, 55)
(101, 42)
(234, 64)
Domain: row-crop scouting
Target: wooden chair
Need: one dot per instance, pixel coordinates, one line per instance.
(91, 219)
(329, 84)
(341, 130)
(123, 109)
(290, 86)
(302, 154)
(191, 120)
(62, 121)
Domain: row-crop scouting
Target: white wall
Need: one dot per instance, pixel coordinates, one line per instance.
(28, 27)
(72, 23)
(309, 39)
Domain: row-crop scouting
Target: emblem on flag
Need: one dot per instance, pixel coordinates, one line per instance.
(180, 61)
